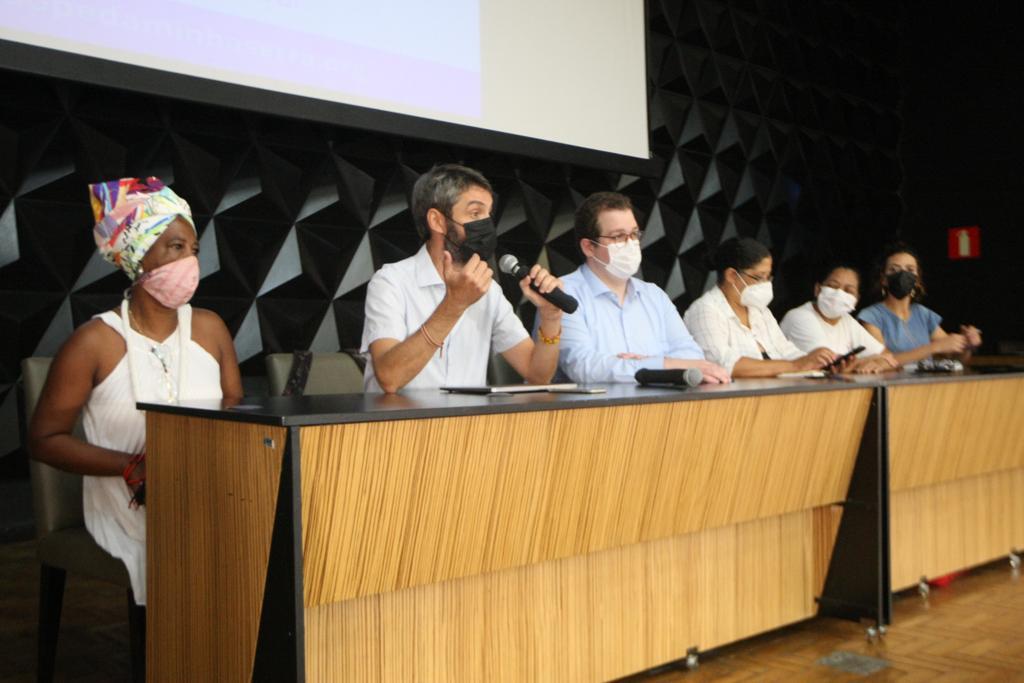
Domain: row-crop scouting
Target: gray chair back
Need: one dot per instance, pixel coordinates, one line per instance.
(330, 373)
(500, 373)
(56, 495)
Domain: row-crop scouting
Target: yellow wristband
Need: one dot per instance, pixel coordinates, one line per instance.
(549, 340)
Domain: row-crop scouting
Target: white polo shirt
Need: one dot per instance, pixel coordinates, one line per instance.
(400, 298)
(724, 339)
(810, 331)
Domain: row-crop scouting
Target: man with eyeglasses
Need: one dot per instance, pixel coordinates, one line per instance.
(623, 324)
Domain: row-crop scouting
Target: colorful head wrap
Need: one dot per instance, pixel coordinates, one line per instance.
(130, 217)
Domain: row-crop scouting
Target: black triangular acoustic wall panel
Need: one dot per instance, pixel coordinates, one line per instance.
(774, 119)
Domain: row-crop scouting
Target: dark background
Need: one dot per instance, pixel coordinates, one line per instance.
(822, 128)
(963, 86)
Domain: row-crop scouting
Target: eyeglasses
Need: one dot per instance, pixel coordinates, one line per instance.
(757, 278)
(621, 237)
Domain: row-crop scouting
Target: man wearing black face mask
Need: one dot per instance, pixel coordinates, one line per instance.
(432, 319)
(480, 237)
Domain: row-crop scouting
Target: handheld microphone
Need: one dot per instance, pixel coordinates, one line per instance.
(510, 264)
(690, 377)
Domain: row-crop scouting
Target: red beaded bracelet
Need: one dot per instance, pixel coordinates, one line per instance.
(130, 468)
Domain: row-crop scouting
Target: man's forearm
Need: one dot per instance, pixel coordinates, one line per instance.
(544, 359)
(405, 360)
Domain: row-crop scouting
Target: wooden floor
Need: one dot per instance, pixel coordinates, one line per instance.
(970, 630)
(93, 644)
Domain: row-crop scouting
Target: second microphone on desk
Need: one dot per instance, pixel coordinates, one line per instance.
(510, 264)
(690, 377)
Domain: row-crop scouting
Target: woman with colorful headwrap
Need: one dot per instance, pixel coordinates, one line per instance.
(154, 347)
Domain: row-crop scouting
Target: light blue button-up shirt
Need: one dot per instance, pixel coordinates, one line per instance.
(647, 323)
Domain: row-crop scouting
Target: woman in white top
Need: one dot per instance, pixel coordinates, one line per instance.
(732, 323)
(826, 322)
(153, 347)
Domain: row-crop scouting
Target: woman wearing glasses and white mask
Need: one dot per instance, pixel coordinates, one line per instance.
(826, 321)
(153, 347)
(732, 323)
(907, 328)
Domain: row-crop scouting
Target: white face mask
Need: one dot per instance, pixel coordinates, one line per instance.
(835, 303)
(623, 259)
(758, 295)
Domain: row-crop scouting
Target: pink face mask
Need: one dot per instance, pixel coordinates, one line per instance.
(174, 283)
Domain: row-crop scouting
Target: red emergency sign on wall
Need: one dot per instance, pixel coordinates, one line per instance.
(964, 242)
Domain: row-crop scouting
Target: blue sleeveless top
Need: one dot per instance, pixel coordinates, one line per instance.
(902, 335)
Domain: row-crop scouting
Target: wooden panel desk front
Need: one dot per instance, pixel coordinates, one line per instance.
(542, 537)
(956, 462)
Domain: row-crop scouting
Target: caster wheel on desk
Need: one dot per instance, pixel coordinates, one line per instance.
(872, 633)
(923, 589)
(1014, 560)
(882, 629)
(692, 661)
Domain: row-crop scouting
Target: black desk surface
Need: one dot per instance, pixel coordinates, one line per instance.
(341, 408)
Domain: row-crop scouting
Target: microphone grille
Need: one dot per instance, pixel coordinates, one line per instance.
(692, 377)
(507, 264)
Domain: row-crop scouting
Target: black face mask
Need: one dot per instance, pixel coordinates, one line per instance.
(901, 283)
(481, 239)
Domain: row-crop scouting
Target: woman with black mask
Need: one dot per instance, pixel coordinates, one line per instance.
(908, 329)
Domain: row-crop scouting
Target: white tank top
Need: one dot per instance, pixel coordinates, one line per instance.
(153, 372)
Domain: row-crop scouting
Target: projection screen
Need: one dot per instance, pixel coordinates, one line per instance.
(562, 80)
